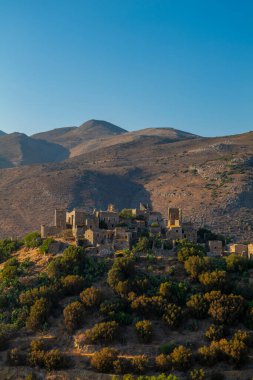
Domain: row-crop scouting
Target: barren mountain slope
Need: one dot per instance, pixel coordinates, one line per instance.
(53, 135)
(92, 130)
(18, 149)
(162, 134)
(211, 179)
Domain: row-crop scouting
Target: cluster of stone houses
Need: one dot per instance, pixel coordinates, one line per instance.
(114, 230)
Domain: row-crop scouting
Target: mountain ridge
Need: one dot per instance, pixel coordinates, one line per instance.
(19, 149)
(74, 141)
(91, 129)
(211, 179)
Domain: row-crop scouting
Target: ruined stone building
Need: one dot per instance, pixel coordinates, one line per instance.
(113, 229)
(177, 229)
(239, 249)
(215, 248)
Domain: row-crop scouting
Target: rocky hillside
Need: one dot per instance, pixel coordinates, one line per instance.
(163, 135)
(18, 149)
(210, 178)
(93, 131)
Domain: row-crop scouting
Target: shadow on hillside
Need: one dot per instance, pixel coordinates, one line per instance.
(95, 189)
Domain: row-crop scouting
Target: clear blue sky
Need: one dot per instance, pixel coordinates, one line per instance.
(186, 64)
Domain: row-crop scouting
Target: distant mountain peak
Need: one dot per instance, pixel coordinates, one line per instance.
(98, 124)
(2, 133)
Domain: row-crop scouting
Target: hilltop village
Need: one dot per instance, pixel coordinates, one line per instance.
(112, 230)
(119, 230)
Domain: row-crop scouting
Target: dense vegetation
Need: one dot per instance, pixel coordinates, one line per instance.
(136, 299)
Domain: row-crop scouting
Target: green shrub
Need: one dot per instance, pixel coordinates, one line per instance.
(36, 345)
(113, 305)
(181, 358)
(146, 305)
(235, 350)
(38, 315)
(126, 213)
(227, 309)
(166, 290)
(172, 316)
(244, 336)
(11, 270)
(45, 246)
(174, 292)
(72, 284)
(123, 269)
(115, 309)
(197, 374)
(54, 360)
(7, 247)
(180, 290)
(91, 297)
(123, 318)
(36, 354)
(73, 261)
(144, 245)
(140, 364)
(51, 360)
(122, 288)
(215, 332)
(102, 332)
(187, 249)
(32, 240)
(103, 360)
(197, 306)
(120, 366)
(195, 265)
(236, 263)
(73, 315)
(144, 330)
(163, 363)
(216, 280)
(208, 355)
(212, 296)
(29, 296)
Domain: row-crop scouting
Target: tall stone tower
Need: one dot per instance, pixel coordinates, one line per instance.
(60, 218)
(175, 217)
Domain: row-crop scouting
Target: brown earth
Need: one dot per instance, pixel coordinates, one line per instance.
(210, 178)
